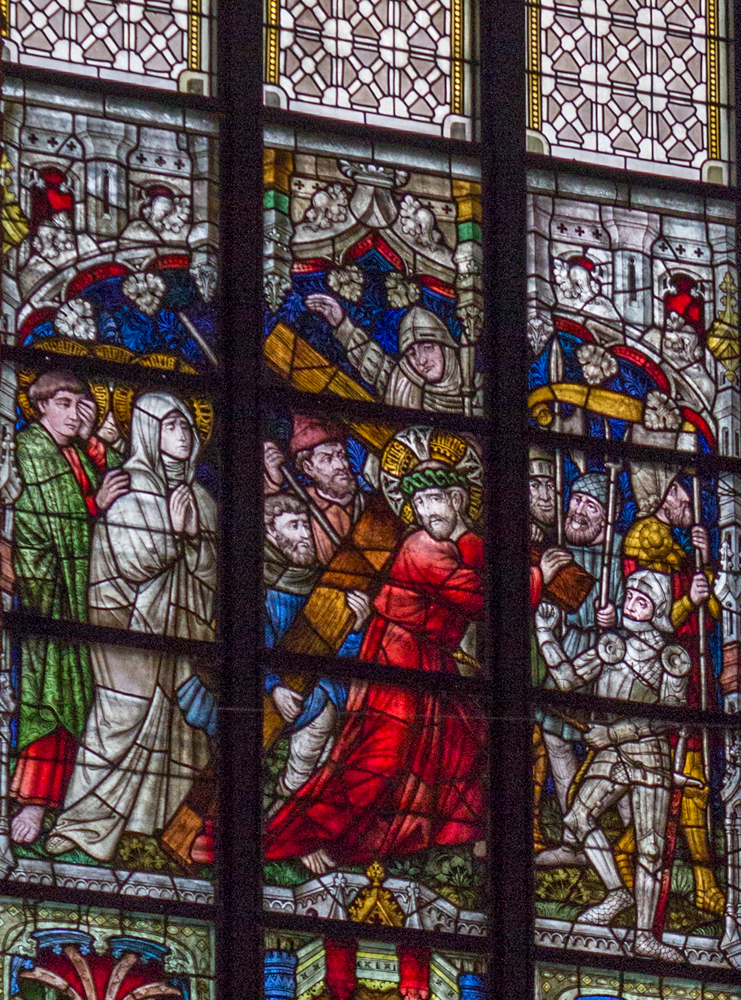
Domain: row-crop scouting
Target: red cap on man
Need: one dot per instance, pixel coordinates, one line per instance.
(308, 432)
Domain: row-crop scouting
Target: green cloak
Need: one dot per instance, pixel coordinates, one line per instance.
(51, 554)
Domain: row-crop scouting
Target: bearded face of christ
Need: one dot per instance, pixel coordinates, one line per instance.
(330, 471)
(291, 533)
(438, 511)
(585, 520)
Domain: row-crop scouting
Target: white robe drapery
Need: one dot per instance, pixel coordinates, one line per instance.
(139, 757)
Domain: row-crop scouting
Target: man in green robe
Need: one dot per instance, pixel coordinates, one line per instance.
(68, 475)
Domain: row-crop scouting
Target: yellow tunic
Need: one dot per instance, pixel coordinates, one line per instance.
(650, 542)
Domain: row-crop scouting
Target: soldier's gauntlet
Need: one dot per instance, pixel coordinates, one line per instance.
(624, 731)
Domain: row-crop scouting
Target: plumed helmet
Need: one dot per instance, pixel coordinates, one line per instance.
(593, 484)
(422, 326)
(658, 588)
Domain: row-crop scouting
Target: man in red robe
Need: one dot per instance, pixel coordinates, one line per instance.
(407, 770)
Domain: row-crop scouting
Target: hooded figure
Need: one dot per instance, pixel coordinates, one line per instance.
(143, 743)
(424, 378)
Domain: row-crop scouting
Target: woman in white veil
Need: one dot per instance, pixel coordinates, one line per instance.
(152, 569)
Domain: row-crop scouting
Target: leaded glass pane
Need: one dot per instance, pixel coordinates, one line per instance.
(643, 84)
(106, 761)
(636, 846)
(110, 227)
(109, 498)
(167, 45)
(305, 965)
(602, 528)
(569, 982)
(373, 273)
(405, 64)
(373, 542)
(375, 803)
(632, 314)
(54, 949)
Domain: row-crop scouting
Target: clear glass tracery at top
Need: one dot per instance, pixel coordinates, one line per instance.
(642, 85)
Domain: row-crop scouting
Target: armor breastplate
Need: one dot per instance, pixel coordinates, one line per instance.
(634, 676)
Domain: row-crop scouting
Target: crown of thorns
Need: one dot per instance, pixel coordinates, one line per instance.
(425, 479)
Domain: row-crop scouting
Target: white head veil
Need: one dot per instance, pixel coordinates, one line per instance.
(149, 469)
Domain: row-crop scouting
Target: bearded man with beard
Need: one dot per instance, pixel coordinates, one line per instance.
(307, 712)
(407, 770)
(585, 529)
(319, 451)
(654, 542)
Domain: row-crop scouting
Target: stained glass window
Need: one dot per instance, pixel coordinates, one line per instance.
(109, 499)
(107, 766)
(306, 965)
(374, 803)
(598, 524)
(643, 85)
(110, 228)
(355, 513)
(55, 949)
(632, 314)
(636, 847)
(166, 46)
(570, 982)
(373, 273)
(408, 65)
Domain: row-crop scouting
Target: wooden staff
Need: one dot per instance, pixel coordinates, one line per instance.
(558, 463)
(703, 652)
(681, 781)
(604, 586)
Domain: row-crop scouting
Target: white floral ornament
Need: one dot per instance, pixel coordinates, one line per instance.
(400, 292)
(538, 334)
(418, 223)
(328, 207)
(146, 291)
(597, 364)
(75, 319)
(347, 282)
(661, 413)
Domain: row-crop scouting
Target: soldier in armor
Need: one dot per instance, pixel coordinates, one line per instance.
(664, 504)
(585, 530)
(630, 755)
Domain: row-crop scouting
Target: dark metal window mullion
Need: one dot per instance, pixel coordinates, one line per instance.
(502, 28)
(239, 892)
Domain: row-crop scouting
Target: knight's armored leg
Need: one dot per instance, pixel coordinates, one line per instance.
(693, 821)
(540, 769)
(564, 766)
(650, 811)
(309, 748)
(592, 798)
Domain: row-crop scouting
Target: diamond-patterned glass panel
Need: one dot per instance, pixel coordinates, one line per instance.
(163, 44)
(641, 84)
(401, 64)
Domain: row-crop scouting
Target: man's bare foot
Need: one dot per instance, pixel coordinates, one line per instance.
(319, 862)
(26, 826)
(479, 849)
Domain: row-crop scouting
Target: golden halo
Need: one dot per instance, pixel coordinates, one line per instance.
(100, 394)
(414, 445)
(167, 362)
(201, 409)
